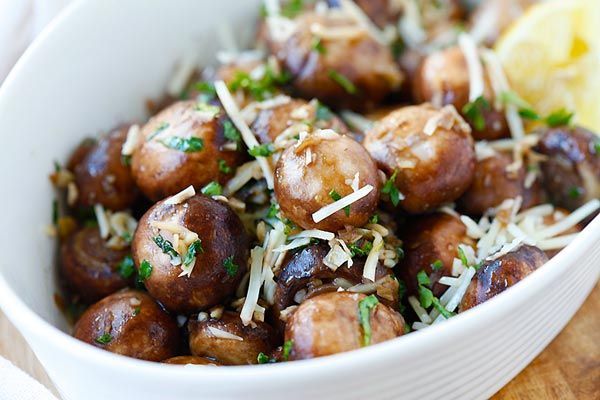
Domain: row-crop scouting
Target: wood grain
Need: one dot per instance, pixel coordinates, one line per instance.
(569, 369)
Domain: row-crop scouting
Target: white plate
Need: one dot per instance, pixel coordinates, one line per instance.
(91, 70)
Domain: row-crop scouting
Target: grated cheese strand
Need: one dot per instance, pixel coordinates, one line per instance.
(314, 233)
(221, 334)
(570, 220)
(256, 257)
(340, 204)
(249, 139)
(469, 49)
(102, 219)
(373, 257)
(181, 196)
(133, 135)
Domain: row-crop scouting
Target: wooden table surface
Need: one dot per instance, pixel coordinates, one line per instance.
(569, 369)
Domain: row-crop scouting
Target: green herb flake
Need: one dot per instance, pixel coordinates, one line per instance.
(575, 192)
(287, 348)
(462, 256)
(559, 118)
(363, 251)
(263, 150)
(187, 145)
(136, 311)
(425, 296)
(207, 108)
(441, 309)
(292, 8)
(126, 267)
(212, 189)
(423, 278)
(474, 111)
(57, 166)
(437, 265)
(161, 127)
(273, 210)
(262, 358)
(223, 167)
(54, 212)
(230, 132)
(207, 90)
(126, 160)
(374, 219)
(400, 252)
(336, 196)
(230, 267)
(166, 247)
(145, 270)
(343, 81)
(596, 147)
(323, 112)
(364, 315)
(317, 45)
(193, 249)
(261, 88)
(391, 190)
(104, 339)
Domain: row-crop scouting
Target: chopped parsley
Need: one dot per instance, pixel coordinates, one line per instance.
(437, 265)
(193, 249)
(317, 45)
(426, 297)
(400, 252)
(323, 112)
(559, 118)
(260, 88)
(212, 189)
(359, 251)
(57, 166)
(287, 348)
(125, 267)
(54, 212)
(596, 147)
(575, 192)
(462, 256)
(374, 219)
(166, 247)
(104, 339)
(161, 127)
(206, 89)
(223, 167)
(292, 8)
(364, 315)
(343, 81)
(474, 112)
(263, 150)
(136, 311)
(208, 108)
(187, 145)
(391, 190)
(273, 210)
(230, 267)
(126, 160)
(230, 132)
(145, 270)
(262, 358)
(336, 196)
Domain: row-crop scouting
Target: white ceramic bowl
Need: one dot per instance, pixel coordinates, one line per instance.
(91, 70)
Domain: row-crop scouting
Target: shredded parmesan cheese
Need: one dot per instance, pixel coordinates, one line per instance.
(181, 196)
(476, 81)
(256, 258)
(102, 219)
(133, 136)
(221, 334)
(340, 204)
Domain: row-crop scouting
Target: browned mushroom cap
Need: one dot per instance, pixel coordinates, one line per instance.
(90, 267)
(270, 122)
(330, 323)
(181, 146)
(496, 276)
(103, 176)
(130, 323)
(347, 70)
(495, 182)
(320, 170)
(431, 152)
(571, 172)
(228, 340)
(191, 360)
(491, 17)
(443, 78)
(431, 244)
(220, 262)
(306, 271)
(80, 152)
(381, 12)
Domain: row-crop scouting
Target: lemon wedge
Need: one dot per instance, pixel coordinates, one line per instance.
(551, 56)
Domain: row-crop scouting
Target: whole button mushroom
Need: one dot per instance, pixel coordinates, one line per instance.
(427, 154)
(348, 70)
(193, 253)
(442, 78)
(496, 181)
(430, 244)
(191, 360)
(91, 268)
(184, 145)
(102, 175)
(132, 324)
(228, 340)
(340, 321)
(322, 168)
(571, 170)
(497, 275)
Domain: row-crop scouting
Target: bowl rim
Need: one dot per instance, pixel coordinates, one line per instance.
(26, 319)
